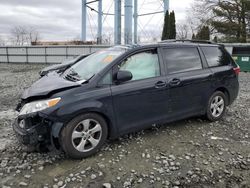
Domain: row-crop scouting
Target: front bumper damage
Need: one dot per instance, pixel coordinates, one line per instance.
(33, 129)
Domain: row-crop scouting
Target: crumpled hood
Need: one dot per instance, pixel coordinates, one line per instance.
(48, 84)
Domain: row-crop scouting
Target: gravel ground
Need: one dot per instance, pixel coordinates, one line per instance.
(189, 153)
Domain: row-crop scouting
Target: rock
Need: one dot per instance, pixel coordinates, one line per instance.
(178, 164)
(93, 176)
(41, 162)
(60, 183)
(205, 162)
(4, 163)
(127, 184)
(177, 182)
(41, 168)
(190, 172)
(23, 184)
(4, 186)
(83, 172)
(167, 183)
(139, 180)
(106, 185)
(87, 169)
(27, 176)
(172, 157)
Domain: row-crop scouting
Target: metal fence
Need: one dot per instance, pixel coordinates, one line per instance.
(44, 54)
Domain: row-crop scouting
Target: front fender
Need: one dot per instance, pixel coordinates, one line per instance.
(65, 114)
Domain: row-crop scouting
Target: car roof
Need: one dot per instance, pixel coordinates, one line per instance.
(174, 43)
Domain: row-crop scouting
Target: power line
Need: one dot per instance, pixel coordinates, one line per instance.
(90, 25)
(111, 4)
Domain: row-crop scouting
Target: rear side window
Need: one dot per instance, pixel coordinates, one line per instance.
(182, 59)
(216, 56)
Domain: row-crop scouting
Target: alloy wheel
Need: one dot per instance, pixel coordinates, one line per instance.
(86, 135)
(217, 106)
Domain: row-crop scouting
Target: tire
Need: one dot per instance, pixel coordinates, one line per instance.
(84, 135)
(216, 106)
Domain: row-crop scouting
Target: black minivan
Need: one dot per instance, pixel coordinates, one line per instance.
(124, 89)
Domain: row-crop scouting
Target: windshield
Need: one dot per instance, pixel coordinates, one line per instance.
(91, 65)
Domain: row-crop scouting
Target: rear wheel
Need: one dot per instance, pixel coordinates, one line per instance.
(216, 106)
(84, 135)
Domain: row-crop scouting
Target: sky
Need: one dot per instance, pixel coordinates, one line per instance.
(60, 20)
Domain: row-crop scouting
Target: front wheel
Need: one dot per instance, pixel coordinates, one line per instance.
(216, 106)
(84, 135)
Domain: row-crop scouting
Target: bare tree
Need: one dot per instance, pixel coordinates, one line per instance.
(2, 42)
(182, 31)
(22, 35)
(106, 38)
(16, 35)
(33, 35)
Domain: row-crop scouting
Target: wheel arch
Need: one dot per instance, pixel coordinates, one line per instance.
(226, 92)
(112, 130)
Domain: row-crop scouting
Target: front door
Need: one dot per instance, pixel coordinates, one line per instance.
(143, 100)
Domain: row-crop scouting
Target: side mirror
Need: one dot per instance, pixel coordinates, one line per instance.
(123, 76)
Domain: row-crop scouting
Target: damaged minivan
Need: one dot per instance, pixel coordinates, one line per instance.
(125, 89)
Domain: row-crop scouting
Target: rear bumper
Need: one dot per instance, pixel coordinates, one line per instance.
(234, 91)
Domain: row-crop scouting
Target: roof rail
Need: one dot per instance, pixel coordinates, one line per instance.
(186, 40)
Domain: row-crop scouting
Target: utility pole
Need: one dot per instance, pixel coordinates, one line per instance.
(128, 21)
(84, 20)
(99, 34)
(117, 19)
(130, 29)
(166, 6)
(135, 20)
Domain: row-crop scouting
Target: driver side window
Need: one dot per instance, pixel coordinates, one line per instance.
(142, 65)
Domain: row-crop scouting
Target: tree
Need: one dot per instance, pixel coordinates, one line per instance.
(169, 28)
(215, 39)
(2, 42)
(203, 33)
(172, 26)
(22, 35)
(228, 18)
(165, 32)
(182, 31)
(193, 37)
(33, 36)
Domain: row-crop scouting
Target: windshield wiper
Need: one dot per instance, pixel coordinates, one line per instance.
(86, 81)
(72, 75)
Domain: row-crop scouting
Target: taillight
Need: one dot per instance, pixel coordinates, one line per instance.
(237, 70)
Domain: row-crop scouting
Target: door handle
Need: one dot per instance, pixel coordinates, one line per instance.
(175, 82)
(160, 84)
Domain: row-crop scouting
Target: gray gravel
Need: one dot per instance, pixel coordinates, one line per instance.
(189, 153)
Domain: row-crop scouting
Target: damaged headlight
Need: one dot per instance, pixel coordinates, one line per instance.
(38, 105)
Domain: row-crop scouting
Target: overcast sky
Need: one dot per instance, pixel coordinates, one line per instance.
(61, 19)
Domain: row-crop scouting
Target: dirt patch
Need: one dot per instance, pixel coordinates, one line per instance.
(189, 153)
